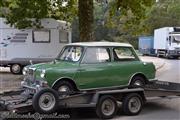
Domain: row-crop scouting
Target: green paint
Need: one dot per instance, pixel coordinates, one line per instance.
(95, 75)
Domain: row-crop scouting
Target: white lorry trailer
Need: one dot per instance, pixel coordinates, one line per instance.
(167, 42)
(20, 46)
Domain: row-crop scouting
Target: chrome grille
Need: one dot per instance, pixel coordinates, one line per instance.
(31, 75)
(30, 72)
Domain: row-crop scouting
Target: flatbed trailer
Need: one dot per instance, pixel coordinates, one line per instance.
(105, 101)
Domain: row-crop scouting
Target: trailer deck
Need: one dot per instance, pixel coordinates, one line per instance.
(19, 101)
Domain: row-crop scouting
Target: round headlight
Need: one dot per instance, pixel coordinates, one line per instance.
(43, 72)
(24, 71)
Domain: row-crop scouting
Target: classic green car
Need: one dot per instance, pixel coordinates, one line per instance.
(90, 65)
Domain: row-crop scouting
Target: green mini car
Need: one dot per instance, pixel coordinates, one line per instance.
(88, 66)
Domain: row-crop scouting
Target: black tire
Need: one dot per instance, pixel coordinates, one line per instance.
(138, 81)
(158, 55)
(167, 56)
(67, 85)
(50, 96)
(100, 107)
(16, 69)
(127, 104)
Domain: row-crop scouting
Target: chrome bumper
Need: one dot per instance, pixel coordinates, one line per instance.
(29, 89)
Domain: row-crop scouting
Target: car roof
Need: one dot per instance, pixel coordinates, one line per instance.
(100, 44)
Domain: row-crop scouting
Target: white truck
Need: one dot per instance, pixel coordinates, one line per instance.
(20, 46)
(167, 42)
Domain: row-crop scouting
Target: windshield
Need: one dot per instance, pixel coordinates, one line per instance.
(71, 53)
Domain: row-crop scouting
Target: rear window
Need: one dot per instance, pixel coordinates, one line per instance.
(123, 54)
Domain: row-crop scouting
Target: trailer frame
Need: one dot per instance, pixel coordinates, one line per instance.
(20, 100)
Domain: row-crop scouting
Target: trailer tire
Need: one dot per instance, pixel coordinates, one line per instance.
(45, 101)
(132, 104)
(106, 107)
(16, 68)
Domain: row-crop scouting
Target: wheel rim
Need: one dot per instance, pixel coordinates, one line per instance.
(134, 104)
(47, 101)
(138, 83)
(64, 88)
(108, 107)
(16, 68)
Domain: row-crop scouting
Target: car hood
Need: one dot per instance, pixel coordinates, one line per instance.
(53, 65)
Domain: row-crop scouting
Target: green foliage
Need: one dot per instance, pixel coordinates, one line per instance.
(119, 19)
(134, 9)
(114, 20)
(21, 12)
(162, 14)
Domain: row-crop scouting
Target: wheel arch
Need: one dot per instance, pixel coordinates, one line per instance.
(138, 74)
(65, 79)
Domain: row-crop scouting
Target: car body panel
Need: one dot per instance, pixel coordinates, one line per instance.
(95, 75)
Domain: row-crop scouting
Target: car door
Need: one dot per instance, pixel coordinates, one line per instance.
(125, 64)
(94, 70)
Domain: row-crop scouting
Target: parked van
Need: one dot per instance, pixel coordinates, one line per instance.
(20, 46)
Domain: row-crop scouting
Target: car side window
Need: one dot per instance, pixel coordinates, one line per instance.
(96, 55)
(123, 54)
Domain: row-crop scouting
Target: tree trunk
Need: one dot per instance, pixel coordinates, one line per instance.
(86, 20)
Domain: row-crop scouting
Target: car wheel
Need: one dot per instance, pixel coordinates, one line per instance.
(16, 68)
(138, 81)
(132, 104)
(64, 87)
(167, 56)
(45, 101)
(106, 107)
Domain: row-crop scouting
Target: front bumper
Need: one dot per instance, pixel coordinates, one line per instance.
(174, 53)
(31, 89)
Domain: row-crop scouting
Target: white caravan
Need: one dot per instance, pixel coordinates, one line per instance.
(20, 46)
(167, 42)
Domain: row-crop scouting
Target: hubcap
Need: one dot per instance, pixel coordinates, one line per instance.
(138, 83)
(64, 88)
(16, 68)
(108, 107)
(134, 104)
(47, 101)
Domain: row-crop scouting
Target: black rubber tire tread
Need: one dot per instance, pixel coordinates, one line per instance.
(125, 104)
(35, 101)
(99, 104)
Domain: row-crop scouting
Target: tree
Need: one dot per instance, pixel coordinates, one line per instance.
(86, 20)
(162, 14)
(21, 12)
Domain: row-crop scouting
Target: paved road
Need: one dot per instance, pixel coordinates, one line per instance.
(156, 110)
(164, 109)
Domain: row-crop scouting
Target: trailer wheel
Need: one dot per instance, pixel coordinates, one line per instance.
(132, 104)
(106, 107)
(16, 68)
(45, 101)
